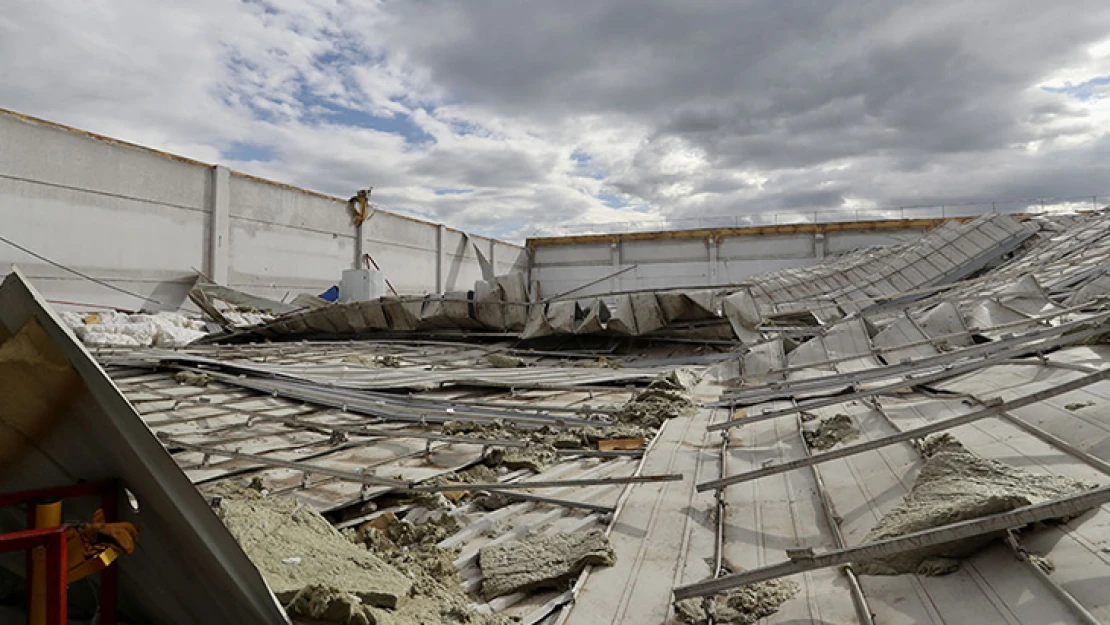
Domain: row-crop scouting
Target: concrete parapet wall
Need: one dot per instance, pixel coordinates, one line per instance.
(701, 258)
(144, 220)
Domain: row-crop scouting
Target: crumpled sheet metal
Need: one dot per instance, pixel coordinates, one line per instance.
(843, 286)
(947, 254)
(902, 340)
(187, 568)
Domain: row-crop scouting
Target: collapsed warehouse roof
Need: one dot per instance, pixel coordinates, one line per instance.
(905, 434)
(818, 294)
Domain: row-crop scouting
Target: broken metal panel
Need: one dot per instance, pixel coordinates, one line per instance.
(202, 574)
(764, 358)
(1059, 508)
(538, 325)
(1026, 296)
(851, 338)
(514, 286)
(622, 318)
(808, 353)
(593, 317)
(561, 316)
(489, 308)
(687, 305)
(902, 340)
(404, 315)
(989, 313)
(450, 310)
(371, 315)
(645, 308)
(742, 311)
(207, 293)
(944, 323)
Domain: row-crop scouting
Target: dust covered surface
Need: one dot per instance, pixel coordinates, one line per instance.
(388, 575)
(665, 398)
(542, 561)
(192, 378)
(739, 606)
(836, 429)
(501, 361)
(374, 362)
(956, 485)
(329, 604)
(437, 596)
(294, 547)
(565, 438)
(534, 457)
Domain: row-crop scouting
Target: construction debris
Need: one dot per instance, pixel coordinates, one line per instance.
(501, 361)
(374, 362)
(272, 530)
(836, 429)
(956, 485)
(665, 398)
(329, 604)
(192, 378)
(113, 329)
(534, 457)
(437, 596)
(543, 561)
(741, 606)
(566, 438)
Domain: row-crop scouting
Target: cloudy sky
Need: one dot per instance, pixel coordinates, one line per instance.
(511, 117)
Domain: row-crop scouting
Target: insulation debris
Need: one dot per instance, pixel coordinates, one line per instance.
(192, 378)
(566, 438)
(601, 363)
(374, 362)
(329, 604)
(836, 429)
(665, 398)
(545, 561)
(437, 596)
(272, 530)
(533, 457)
(501, 361)
(956, 485)
(741, 606)
(112, 329)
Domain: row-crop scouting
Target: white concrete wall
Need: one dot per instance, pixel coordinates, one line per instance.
(143, 220)
(718, 259)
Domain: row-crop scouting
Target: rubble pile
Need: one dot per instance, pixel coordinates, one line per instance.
(388, 572)
(294, 547)
(956, 485)
(740, 606)
(828, 433)
(665, 398)
(541, 561)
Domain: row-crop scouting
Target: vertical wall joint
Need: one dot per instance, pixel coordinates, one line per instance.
(441, 259)
(219, 230)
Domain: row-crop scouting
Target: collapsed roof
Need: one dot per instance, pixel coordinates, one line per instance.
(808, 482)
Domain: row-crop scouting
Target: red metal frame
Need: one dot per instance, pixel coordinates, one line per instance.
(53, 539)
(56, 554)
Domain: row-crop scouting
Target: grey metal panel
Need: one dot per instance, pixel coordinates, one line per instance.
(202, 575)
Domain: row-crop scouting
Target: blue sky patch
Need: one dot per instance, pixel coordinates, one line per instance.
(245, 151)
(397, 124)
(1084, 90)
(612, 200)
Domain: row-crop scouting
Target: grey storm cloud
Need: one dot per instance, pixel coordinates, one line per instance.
(784, 89)
(533, 115)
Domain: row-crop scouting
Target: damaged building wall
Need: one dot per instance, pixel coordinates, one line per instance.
(144, 220)
(696, 258)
